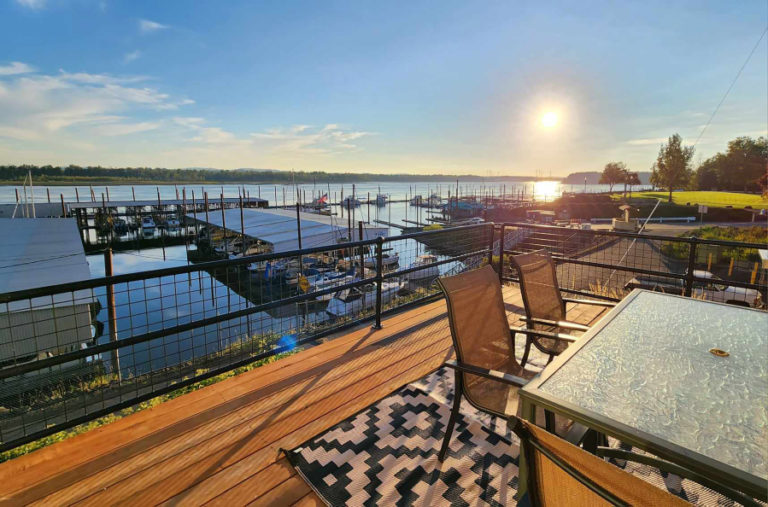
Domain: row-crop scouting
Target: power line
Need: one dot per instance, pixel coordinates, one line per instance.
(730, 87)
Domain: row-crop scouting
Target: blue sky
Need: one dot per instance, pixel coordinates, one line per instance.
(417, 87)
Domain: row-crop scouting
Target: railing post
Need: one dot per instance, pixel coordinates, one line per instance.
(112, 314)
(501, 253)
(379, 279)
(691, 266)
(490, 245)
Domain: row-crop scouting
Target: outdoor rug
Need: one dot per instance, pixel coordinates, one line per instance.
(387, 455)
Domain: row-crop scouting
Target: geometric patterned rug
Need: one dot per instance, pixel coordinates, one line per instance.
(387, 455)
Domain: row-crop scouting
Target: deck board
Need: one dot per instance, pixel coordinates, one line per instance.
(221, 444)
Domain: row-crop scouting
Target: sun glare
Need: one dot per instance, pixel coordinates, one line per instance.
(549, 119)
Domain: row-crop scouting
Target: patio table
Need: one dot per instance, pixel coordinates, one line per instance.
(652, 374)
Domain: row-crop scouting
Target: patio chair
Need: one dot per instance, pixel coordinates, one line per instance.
(544, 305)
(487, 373)
(559, 473)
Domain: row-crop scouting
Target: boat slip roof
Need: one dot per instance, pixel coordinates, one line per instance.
(278, 227)
(165, 202)
(38, 252)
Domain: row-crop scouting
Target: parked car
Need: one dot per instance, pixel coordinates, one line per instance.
(714, 289)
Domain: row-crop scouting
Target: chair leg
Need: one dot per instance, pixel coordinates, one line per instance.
(527, 351)
(452, 419)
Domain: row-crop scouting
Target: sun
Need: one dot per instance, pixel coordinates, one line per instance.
(549, 119)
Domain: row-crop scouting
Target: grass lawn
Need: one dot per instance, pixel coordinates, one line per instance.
(713, 199)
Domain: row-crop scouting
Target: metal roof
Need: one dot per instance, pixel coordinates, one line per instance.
(278, 227)
(36, 252)
(165, 202)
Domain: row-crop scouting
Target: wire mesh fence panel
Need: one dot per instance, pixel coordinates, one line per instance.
(412, 263)
(611, 265)
(74, 352)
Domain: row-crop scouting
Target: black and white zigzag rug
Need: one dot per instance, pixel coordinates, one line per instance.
(387, 455)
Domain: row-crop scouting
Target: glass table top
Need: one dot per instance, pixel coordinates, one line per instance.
(650, 368)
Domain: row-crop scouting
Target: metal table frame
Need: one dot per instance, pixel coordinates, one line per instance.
(532, 397)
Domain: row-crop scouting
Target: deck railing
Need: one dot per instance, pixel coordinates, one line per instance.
(75, 352)
(609, 264)
(166, 329)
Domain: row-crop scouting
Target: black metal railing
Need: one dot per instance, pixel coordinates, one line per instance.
(609, 264)
(168, 328)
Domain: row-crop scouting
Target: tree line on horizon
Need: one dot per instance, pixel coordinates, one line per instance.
(73, 173)
(742, 168)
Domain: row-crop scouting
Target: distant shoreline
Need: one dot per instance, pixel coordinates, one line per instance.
(388, 179)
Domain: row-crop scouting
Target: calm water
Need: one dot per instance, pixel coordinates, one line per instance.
(541, 190)
(145, 306)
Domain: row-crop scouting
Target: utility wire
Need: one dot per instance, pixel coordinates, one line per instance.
(731, 86)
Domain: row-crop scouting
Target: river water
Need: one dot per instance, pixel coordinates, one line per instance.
(146, 306)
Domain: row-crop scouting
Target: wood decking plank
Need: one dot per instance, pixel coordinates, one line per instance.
(186, 420)
(221, 444)
(255, 486)
(88, 445)
(310, 389)
(309, 500)
(184, 470)
(286, 493)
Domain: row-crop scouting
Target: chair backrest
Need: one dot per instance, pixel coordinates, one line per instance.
(559, 473)
(538, 285)
(480, 332)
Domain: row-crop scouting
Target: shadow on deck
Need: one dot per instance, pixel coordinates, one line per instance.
(222, 443)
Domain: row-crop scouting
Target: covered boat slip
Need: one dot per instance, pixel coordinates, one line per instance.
(222, 444)
(39, 252)
(279, 227)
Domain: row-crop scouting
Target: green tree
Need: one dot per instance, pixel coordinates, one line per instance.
(630, 179)
(707, 176)
(672, 169)
(745, 163)
(613, 173)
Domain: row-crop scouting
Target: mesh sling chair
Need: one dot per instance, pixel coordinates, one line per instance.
(487, 373)
(560, 473)
(544, 305)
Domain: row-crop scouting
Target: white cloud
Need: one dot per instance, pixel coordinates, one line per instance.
(647, 141)
(80, 117)
(31, 4)
(121, 129)
(302, 138)
(39, 106)
(15, 68)
(147, 26)
(133, 55)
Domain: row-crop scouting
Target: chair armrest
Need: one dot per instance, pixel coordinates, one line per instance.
(504, 378)
(544, 334)
(607, 304)
(558, 323)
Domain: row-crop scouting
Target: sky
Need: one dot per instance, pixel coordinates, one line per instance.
(453, 87)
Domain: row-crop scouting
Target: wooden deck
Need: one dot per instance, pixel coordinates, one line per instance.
(221, 444)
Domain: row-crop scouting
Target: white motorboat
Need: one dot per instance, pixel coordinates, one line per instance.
(387, 261)
(350, 202)
(381, 199)
(147, 224)
(427, 270)
(350, 302)
(173, 222)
